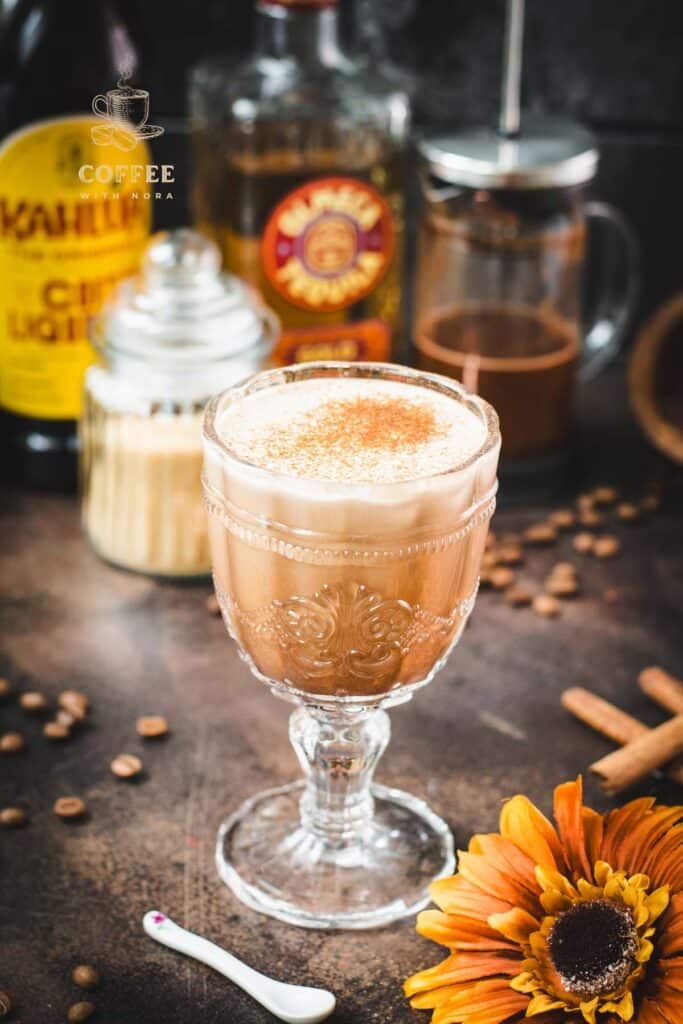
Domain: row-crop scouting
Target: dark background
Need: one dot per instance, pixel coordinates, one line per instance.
(615, 65)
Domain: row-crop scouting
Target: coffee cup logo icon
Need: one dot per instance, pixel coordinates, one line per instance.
(125, 111)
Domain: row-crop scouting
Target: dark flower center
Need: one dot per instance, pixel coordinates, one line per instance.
(593, 948)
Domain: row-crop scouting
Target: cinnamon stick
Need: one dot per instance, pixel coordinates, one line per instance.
(663, 688)
(623, 767)
(612, 722)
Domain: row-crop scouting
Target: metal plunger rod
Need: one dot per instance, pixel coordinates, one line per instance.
(512, 69)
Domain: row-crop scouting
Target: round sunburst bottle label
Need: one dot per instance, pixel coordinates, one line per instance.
(328, 243)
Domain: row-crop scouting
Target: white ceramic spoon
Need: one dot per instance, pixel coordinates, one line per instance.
(294, 1004)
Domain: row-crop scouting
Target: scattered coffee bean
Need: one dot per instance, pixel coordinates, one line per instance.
(584, 501)
(611, 595)
(65, 718)
(11, 743)
(485, 581)
(518, 597)
(562, 585)
(212, 605)
(85, 976)
(502, 577)
(77, 704)
(542, 533)
(589, 517)
(80, 1012)
(628, 512)
(33, 702)
(583, 543)
(13, 817)
(69, 807)
(546, 606)
(510, 554)
(650, 503)
(5, 1004)
(152, 726)
(490, 559)
(563, 519)
(605, 495)
(5, 689)
(126, 766)
(56, 731)
(509, 538)
(563, 569)
(606, 547)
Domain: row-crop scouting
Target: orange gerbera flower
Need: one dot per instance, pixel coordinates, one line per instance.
(566, 924)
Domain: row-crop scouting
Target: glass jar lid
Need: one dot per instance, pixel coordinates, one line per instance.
(181, 317)
(547, 153)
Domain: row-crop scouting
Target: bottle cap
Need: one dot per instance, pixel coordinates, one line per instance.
(183, 322)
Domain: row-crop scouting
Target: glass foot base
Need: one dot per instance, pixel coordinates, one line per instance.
(278, 867)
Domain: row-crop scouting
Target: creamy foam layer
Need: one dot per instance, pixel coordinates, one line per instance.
(352, 430)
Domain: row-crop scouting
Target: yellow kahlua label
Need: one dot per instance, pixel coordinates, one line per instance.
(64, 244)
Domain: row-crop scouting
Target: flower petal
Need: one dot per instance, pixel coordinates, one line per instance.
(516, 925)
(463, 933)
(455, 895)
(458, 968)
(569, 817)
(523, 824)
(492, 879)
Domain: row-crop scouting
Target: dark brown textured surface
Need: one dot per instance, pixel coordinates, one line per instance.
(491, 725)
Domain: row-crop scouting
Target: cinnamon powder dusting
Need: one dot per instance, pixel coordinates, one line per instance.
(354, 426)
(357, 431)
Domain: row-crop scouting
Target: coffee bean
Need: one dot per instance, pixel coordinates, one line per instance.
(585, 501)
(65, 718)
(5, 1004)
(126, 766)
(13, 817)
(518, 597)
(85, 976)
(33, 702)
(583, 543)
(562, 586)
(650, 503)
(628, 512)
(611, 595)
(485, 581)
(56, 731)
(546, 606)
(562, 518)
(510, 554)
(589, 517)
(509, 538)
(152, 726)
(606, 547)
(605, 495)
(5, 689)
(563, 569)
(69, 807)
(11, 743)
(502, 577)
(490, 559)
(80, 1012)
(542, 533)
(212, 605)
(77, 704)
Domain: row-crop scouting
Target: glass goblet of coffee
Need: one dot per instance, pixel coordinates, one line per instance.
(348, 510)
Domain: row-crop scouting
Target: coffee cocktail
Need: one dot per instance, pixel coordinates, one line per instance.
(349, 506)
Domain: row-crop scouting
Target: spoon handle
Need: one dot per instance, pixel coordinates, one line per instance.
(168, 933)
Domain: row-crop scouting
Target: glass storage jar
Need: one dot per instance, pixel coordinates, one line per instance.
(168, 340)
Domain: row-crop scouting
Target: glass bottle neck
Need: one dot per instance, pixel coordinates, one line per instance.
(307, 34)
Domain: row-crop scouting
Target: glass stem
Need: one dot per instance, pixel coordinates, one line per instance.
(338, 754)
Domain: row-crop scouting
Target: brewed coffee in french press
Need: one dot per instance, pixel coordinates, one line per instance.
(501, 271)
